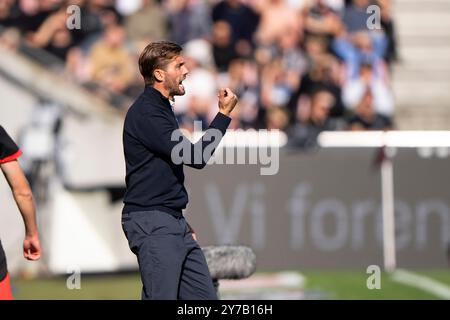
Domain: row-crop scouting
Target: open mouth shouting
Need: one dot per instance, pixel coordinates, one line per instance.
(180, 85)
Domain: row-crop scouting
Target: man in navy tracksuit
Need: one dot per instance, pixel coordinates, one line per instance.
(171, 263)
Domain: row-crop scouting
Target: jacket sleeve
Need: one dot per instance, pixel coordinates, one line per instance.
(160, 135)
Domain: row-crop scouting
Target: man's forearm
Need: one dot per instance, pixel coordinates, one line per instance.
(27, 209)
(22, 195)
(202, 150)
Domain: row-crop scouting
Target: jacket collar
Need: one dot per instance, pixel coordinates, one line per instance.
(152, 93)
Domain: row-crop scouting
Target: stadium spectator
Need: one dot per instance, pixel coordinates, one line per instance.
(275, 89)
(271, 27)
(110, 62)
(149, 22)
(366, 117)
(324, 72)
(223, 49)
(28, 15)
(6, 15)
(388, 26)
(293, 59)
(313, 117)
(106, 11)
(189, 20)
(242, 78)
(277, 119)
(354, 89)
(10, 39)
(53, 35)
(356, 41)
(243, 21)
(322, 18)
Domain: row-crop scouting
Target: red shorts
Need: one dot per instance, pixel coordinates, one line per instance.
(5, 289)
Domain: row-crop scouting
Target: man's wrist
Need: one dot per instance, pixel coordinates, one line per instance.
(31, 232)
(227, 113)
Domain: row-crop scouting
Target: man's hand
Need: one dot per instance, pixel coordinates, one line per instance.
(31, 248)
(227, 101)
(194, 236)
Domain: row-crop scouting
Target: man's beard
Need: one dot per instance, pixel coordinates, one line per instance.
(176, 88)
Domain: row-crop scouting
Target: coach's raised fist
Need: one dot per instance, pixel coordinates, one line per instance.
(227, 101)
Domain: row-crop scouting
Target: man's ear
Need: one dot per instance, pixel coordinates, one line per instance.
(159, 75)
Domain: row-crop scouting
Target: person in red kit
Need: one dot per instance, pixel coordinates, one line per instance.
(9, 152)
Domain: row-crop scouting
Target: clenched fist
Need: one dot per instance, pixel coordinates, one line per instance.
(227, 101)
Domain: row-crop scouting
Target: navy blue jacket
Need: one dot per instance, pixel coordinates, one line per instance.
(154, 180)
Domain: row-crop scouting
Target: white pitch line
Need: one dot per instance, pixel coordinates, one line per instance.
(427, 284)
(285, 279)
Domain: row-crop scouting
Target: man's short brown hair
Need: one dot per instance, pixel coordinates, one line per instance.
(156, 55)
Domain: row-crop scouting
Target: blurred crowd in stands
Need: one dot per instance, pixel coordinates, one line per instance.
(301, 66)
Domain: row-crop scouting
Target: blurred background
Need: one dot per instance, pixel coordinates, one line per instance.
(334, 76)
